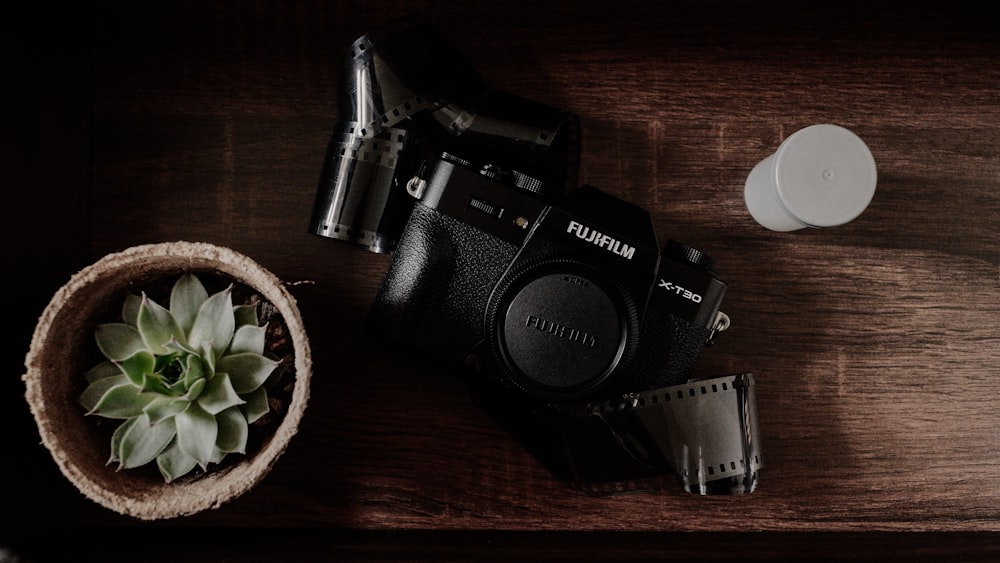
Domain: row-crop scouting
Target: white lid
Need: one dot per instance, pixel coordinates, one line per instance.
(824, 175)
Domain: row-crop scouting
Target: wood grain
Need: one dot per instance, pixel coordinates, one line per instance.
(875, 344)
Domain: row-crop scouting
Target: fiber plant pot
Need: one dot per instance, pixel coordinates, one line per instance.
(63, 349)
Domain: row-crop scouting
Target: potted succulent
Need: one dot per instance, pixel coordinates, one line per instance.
(168, 378)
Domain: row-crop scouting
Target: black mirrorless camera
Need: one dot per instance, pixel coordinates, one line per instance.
(578, 332)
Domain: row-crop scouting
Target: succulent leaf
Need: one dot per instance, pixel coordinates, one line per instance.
(137, 366)
(177, 389)
(208, 357)
(256, 405)
(116, 439)
(162, 408)
(215, 322)
(186, 298)
(233, 431)
(247, 371)
(144, 441)
(174, 463)
(179, 347)
(118, 341)
(246, 315)
(194, 370)
(196, 389)
(94, 392)
(102, 370)
(248, 339)
(123, 402)
(153, 384)
(219, 395)
(157, 326)
(130, 310)
(275, 376)
(186, 381)
(196, 433)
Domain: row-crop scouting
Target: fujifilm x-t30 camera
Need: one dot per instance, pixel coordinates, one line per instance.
(577, 331)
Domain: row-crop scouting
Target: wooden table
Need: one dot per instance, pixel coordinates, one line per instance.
(874, 344)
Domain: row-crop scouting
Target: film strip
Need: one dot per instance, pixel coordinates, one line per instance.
(377, 125)
(407, 96)
(393, 81)
(380, 147)
(706, 431)
(702, 433)
(362, 167)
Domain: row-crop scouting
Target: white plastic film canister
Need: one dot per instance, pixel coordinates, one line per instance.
(821, 176)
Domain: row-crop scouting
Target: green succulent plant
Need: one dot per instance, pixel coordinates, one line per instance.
(187, 381)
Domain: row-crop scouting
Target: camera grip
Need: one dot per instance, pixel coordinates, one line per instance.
(669, 346)
(434, 295)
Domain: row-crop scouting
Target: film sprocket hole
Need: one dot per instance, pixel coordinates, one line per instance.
(577, 331)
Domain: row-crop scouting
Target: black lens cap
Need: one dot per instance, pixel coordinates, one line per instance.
(562, 333)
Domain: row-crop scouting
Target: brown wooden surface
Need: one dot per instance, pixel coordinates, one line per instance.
(874, 344)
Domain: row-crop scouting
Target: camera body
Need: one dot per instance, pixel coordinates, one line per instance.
(576, 331)
(548, 303)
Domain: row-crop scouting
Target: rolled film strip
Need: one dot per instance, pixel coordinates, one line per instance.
(375, 126)
(703, 433)
(406, 86)
(389, 88)
(454, 118)
(405, 67)
(706, 430)
(381, 147)
(364, 166)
